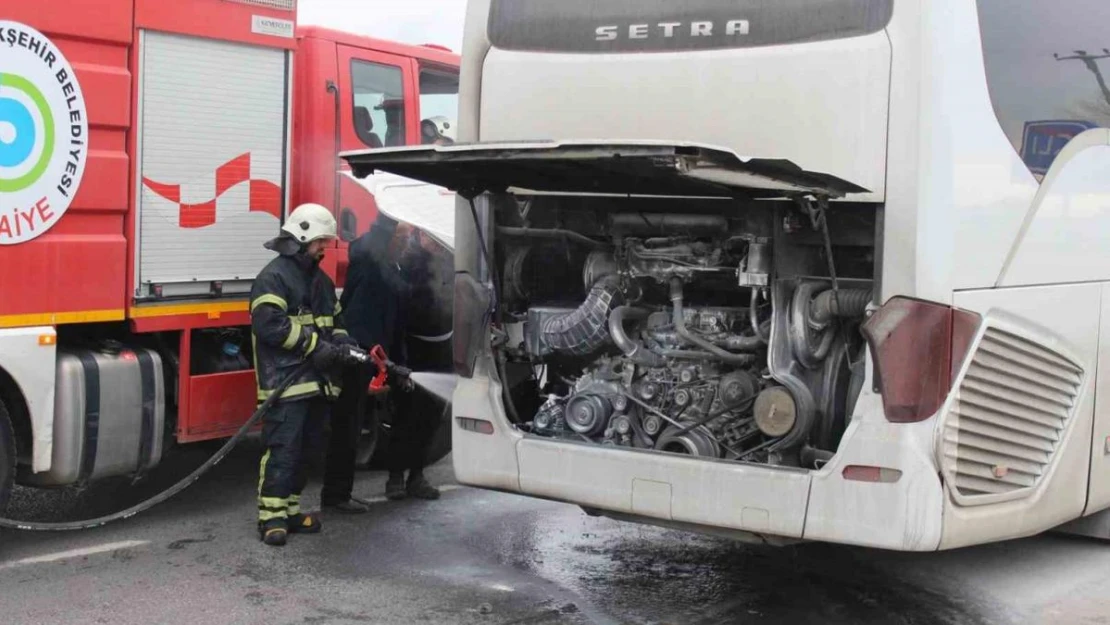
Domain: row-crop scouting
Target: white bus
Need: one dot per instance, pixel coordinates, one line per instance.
(826, 270)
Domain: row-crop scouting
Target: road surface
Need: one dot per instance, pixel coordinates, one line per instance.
(489, 558)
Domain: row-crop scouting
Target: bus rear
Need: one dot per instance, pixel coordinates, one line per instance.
(764, 268)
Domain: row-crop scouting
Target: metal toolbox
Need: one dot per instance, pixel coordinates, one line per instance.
(109, 415)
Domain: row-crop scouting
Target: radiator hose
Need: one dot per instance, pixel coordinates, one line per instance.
(173, 490)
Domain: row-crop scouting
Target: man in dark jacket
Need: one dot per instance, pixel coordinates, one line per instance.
(374, 300)
(294, 317)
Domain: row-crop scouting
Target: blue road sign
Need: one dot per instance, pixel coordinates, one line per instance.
(1043, 140)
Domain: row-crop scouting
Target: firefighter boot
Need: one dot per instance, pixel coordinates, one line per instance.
(304, 524)
(395, 486)
(420, 488)
(273, 532)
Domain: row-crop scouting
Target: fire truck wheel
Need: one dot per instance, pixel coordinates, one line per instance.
(370, 435)
(7, 458)
(373, 444)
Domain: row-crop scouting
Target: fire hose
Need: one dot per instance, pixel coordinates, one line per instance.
(376, 355)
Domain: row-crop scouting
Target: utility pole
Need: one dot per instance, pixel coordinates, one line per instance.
(1091, 61)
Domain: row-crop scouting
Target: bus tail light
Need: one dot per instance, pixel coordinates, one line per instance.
(918, 348)
(470, 323)
(480, 426)
(862, 473)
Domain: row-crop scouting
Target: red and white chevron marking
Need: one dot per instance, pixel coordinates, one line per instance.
(265, 196)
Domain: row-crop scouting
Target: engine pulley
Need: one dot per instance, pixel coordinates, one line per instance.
(775, 412)
(588, 414)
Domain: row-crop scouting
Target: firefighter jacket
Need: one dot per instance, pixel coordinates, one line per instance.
(293, 307)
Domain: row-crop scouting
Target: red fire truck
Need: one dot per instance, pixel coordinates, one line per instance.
(147, 150)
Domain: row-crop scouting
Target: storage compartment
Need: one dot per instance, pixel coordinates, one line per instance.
(218, 405)
(212, 164)
(109, 415)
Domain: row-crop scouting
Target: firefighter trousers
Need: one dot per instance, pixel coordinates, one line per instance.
(292, 433)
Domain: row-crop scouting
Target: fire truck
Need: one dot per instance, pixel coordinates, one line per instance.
(147, 150)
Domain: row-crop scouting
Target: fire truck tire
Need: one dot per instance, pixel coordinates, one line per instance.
(7, 458)
(370, 436)
(373, 444)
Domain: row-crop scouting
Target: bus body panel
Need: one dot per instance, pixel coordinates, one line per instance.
(1068, 220)
(956, 188)
(1098, 496)
(1066, 316)
(651, 96)
(904, 515)
(746, 497)
(480, 459)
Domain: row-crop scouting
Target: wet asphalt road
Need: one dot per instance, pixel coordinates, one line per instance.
(481, 557)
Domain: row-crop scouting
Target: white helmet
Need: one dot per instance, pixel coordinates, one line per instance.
(309, 222)
(437, 127)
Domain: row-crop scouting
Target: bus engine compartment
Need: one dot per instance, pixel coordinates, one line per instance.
(726, 330)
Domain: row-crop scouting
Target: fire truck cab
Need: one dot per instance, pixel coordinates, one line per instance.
(147, 150)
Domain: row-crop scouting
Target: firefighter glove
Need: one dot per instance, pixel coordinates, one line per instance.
(345, 340)
(326, 356)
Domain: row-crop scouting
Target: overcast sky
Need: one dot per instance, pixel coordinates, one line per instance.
(410, 21)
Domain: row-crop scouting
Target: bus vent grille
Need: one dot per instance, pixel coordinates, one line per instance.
(1009, 415)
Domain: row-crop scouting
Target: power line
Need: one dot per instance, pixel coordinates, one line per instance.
(1091, 61)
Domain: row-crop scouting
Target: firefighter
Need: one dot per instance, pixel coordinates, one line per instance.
(438, 130)
(295, 317)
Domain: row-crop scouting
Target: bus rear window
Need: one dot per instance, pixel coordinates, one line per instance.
(671, 25)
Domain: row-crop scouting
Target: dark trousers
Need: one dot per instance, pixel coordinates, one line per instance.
(414, 424)
(346, 426)
(292, 433)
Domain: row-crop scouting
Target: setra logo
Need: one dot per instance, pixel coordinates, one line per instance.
(43, 133)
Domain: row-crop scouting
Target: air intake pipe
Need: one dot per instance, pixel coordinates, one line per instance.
(586, 329)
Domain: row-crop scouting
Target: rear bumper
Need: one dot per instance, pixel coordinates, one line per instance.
(779, 503)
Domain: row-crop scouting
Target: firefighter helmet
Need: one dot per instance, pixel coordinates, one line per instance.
(438, 127)
(309, 222)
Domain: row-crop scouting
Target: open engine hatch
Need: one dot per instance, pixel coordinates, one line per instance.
(597, 167)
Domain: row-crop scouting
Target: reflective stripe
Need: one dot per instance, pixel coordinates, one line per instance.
(333, 390)
(304, 388)
(338, 308)
(311, 345)
(304, 320)
(294, 507)
(262, 471)
(340, 332)
(273, 503)
(269, 298)
(269, 515)
(325, 321)
(294, 336)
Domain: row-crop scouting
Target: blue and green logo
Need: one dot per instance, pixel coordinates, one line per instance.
(44, 133)
(19, 133)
